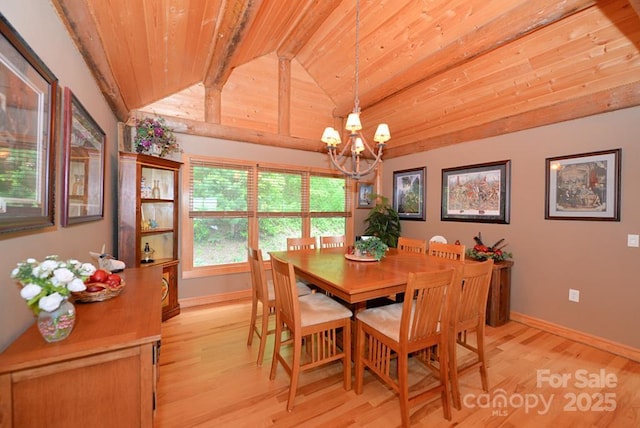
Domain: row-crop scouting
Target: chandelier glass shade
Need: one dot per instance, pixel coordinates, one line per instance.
(356, 147)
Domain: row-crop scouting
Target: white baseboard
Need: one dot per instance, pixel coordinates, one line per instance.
(578, 336)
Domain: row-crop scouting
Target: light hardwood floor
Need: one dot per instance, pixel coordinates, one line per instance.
(209, 378)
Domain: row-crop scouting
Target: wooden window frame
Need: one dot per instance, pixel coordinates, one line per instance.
(189, 270)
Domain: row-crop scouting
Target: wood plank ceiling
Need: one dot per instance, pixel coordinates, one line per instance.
(439, 72)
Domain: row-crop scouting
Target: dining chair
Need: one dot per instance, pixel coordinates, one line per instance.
(294, 244)
(410, 245)
(332, 241)
(400, 329)
(447, 251)
(315, 318)
(263, 293)
(470, 316)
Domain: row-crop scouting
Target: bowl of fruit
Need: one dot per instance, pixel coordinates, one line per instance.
(102, 285)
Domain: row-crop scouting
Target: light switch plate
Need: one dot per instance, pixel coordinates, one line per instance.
(633, 240)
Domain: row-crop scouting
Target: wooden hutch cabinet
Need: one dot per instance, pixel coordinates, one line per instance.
(148, 197)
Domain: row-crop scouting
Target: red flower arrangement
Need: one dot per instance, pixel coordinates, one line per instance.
(480, 251)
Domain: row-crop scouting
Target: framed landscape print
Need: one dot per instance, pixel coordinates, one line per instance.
(365, 193)
(28, 119)
(477, 193)
(409, 194)
(584, 186)
(83, 180)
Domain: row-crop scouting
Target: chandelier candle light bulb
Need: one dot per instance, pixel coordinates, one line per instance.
(353, 122)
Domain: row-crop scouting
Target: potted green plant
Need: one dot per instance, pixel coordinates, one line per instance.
(371, 246)
(383, 221)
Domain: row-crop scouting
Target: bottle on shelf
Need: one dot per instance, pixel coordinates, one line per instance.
(144, 188)
(148, 253)
(155, 191)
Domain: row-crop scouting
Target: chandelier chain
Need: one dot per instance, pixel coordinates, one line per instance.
(356, 101)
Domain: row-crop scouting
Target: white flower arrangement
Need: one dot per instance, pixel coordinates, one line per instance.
(46, 284)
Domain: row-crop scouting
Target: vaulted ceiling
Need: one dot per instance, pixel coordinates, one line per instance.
(439, 72)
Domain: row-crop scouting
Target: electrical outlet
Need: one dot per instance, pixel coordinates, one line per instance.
(574, 295)
(633, 240)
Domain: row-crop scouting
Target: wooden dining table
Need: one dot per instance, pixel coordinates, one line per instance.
(357, 282)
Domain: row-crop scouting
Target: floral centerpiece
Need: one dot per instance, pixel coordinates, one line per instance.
(480, 251)
(372, 246)
(154, 137)
(45, 285)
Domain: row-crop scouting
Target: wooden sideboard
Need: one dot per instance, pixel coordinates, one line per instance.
(103, 375)
(499, 301)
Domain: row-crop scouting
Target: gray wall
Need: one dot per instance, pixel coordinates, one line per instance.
(552, 256)
(38, 24)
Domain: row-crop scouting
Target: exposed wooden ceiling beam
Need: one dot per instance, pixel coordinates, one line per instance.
(214, 130)
(610, 100)
(512, 25)
(236, 17)
(605, 101)
(79, 20)
(317, 12)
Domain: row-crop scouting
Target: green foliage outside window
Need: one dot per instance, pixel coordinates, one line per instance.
(18, 176)
(222, 208)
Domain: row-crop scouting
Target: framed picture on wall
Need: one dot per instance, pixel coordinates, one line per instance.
(28, 120)
(83, 154)
(583, 186)
(409, 193)
(477, 193)
(365, 193)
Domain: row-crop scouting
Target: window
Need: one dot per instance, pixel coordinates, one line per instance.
(234, 204)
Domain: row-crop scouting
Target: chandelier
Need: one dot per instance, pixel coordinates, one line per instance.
(356, 143)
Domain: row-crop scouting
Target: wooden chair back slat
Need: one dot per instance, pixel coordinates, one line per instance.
(447, 251)
(332, 241)
(410, 245)
(295, 244)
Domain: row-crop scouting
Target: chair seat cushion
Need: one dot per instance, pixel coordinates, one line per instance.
(303, 289)
(385, 319)
(317, 308)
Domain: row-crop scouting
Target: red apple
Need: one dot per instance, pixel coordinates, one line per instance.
(99, 275)
(93, 288)
(114, 278)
